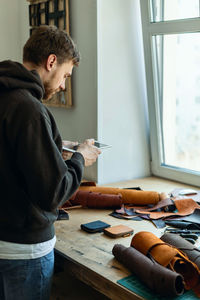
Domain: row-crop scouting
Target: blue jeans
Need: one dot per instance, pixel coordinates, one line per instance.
(26, 279)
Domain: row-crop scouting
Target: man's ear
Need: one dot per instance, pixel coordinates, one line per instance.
(51, 62)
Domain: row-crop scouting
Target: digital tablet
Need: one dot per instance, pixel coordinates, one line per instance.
(68, 149)
(96, 144)
(101, 145)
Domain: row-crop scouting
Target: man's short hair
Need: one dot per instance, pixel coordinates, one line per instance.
(46, 40)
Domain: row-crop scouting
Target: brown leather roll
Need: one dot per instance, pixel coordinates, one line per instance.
(190, 250)
(168, 256)
(96, 200)
(158, 278)
(128, 196)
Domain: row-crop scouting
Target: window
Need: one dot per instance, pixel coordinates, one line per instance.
(171, 33)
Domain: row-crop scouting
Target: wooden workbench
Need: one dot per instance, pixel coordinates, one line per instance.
(89, 256)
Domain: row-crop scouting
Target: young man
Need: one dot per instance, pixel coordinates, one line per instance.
(34, 178)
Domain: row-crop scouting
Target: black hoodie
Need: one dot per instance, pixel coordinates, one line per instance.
(34, 178)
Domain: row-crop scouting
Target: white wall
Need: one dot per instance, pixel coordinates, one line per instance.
(9, 30)
(80, 122)
(13, 28)
(122, 109)
(108, 86)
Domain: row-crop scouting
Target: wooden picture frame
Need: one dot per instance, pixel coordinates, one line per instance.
(52, 12)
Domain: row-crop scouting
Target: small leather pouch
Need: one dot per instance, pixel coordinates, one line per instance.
(118, 231)
(96, 226)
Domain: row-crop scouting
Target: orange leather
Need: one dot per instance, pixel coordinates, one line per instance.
(168, 256)
(128, 196)
(184, 206)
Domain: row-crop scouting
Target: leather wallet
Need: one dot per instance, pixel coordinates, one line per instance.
(118, 231)
(95, 226)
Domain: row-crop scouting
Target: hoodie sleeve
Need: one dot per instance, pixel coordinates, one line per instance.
(50, 180)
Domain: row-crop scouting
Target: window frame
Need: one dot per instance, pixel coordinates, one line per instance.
(149, 30)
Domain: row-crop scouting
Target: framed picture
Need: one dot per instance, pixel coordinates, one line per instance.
(52, 12)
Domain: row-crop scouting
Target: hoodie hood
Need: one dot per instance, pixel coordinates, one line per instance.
(14, 75)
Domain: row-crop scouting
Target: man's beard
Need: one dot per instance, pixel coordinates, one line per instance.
(48, 91)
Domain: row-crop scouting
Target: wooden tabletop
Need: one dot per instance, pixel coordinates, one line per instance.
(89, 256)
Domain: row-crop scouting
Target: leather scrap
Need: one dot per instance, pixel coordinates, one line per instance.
(162, 204)
(193, 218)
(184, 207)
(158, 278)
(182, 224)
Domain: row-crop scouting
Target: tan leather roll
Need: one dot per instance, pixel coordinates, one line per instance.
(128, 196)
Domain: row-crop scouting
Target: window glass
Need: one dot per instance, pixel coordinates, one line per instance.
(164, 10)
(177, 57)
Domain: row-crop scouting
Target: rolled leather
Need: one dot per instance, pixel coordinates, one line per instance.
(158, 278)
(190, 250)
(168, 256)
(96, 200)
(128, 196)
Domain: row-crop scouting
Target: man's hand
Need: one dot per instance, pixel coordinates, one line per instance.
(69, 144)
(89, 151)
(66, 154)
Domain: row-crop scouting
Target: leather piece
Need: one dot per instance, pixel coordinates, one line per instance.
(183, 224)
(190, 250)
(128, 196)
(184, 206)
(168, 256)
(164, 204)
(193, 218)
(159, 279)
